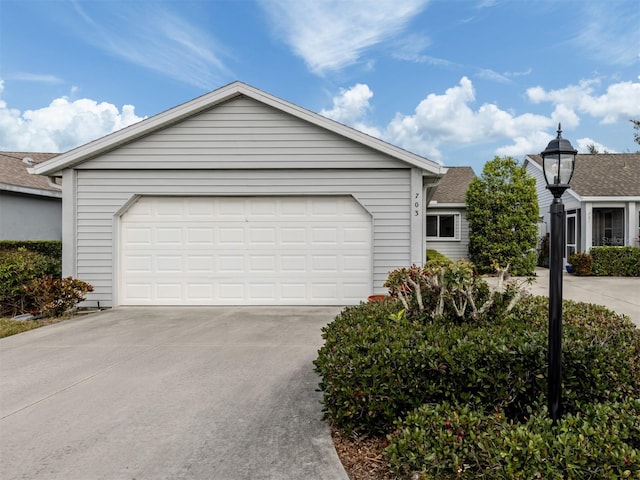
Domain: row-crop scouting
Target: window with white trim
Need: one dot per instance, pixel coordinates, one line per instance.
(443, 226)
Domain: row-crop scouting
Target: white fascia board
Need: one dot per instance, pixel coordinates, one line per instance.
(437, 205)
(30, 191)
(130, 133)
(209, 100)
(611, 199)
(429, 166)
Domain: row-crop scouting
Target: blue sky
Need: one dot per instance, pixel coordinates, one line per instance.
(458, 81)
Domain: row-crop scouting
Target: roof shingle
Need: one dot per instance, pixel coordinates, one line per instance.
(605, 174)
(453, 186)
(13, 170)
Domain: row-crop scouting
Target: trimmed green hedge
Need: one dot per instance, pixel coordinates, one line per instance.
(463, 395)
(50, 248)
(454, 442)
(616, 261)
(378, 364)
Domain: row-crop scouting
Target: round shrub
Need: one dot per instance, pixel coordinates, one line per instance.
(17, 267)
(377, 364)
(581, 263)
(449, 441)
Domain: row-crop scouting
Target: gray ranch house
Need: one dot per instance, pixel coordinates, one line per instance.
(603, 204)
(240, 198)
(30, 205)
(447, 224)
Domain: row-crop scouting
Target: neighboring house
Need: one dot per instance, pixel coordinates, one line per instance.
(30, 205)
(240, 198)
(603, 204)
(447, 225)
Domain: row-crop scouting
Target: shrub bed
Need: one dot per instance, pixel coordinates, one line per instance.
(391, 365)
(448, 441)
(30, 283)
(17, 267)
(49, 248)
(616, 261)
(376, 365)
(581, 263)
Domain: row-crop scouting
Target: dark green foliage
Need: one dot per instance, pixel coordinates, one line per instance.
(377, 364)
(52, 297)
(17, 267)
(616, 261)
(449, 441)
(581, 263)
(466, 395)
(543, 252)
(50, 248)
(502, 210)
(636, 126)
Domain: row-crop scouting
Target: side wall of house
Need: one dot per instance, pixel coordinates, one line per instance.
(29, 217)
(453, 249)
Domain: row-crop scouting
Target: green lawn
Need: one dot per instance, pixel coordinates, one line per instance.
(11, 327)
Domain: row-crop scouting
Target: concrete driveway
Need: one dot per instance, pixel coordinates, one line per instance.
(620, 294)
(175, 393)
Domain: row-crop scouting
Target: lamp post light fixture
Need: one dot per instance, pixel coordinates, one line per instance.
(558, 161)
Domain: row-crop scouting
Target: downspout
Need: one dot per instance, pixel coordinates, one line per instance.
(51, 180)
(429, 189)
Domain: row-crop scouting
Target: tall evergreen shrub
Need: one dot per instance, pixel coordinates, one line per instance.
(502, 210)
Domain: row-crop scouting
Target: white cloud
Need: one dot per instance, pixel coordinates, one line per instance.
(351, 107)
(60, 126)
(332, 34)
(449, 119)
(606, 34)
(350, 104)
(157, 39)
(584, 143)
(37, 77)
(411, 47)
(620, 101)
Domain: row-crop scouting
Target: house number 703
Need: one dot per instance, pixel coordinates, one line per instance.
(416, 204)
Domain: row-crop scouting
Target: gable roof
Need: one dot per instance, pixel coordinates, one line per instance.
(211, 99)
(15, 176)
(453, 186)
(604, 174)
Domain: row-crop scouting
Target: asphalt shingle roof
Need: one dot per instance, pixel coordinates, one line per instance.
(13, 170)
(605, 174)
(453, 186)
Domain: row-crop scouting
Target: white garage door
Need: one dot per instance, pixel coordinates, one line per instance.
(245, 251)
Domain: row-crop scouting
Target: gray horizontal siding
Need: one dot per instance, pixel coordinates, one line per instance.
(243, 134)
(453, 249)
(102, 193)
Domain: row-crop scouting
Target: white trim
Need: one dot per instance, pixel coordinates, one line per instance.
(457, 226)
(417, 217)
(611, 199)
(211, 99)
(30, 191)
(438, 206)
(69, 224)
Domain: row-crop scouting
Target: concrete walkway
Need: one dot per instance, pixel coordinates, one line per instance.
(620, 294)
(167, 393)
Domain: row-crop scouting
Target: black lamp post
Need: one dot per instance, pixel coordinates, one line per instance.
(558, 161)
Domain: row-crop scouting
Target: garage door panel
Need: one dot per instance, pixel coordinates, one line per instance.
(235, 251)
